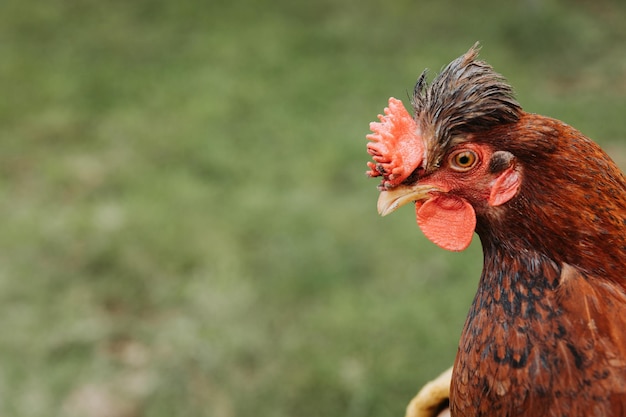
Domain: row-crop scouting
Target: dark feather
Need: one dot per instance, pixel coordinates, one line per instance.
(467, 96)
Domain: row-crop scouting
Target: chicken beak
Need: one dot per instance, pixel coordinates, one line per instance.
(391, 200)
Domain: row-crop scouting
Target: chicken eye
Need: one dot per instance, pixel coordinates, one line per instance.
(463, 160)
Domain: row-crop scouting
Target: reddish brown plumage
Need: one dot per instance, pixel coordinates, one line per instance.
(546, 333)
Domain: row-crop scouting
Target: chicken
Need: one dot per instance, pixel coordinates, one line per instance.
(546, 332)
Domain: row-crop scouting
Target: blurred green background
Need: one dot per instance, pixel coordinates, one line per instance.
(186, 227)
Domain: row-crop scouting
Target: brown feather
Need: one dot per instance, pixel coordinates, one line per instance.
(547, 330)
(546, 333)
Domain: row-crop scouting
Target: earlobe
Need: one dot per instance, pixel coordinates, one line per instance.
(505, 187)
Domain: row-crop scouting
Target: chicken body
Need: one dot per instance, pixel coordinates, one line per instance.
(546, 333)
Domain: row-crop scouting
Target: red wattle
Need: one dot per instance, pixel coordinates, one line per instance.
(447, 221)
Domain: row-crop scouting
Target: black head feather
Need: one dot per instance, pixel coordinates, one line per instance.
(467, 96)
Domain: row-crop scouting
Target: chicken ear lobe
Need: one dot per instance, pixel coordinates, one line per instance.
(505, 187)
(447, 221)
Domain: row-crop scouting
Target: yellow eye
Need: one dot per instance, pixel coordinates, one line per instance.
(463, 160)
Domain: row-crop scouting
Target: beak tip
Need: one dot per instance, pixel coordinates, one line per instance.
(391, 200)
(386, 206)
(383, 211)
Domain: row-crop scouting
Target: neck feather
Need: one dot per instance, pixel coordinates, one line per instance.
(572, 202)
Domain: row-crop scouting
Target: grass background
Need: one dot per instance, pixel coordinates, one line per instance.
(186, 228)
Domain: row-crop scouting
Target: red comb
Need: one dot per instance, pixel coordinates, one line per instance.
(396, 146)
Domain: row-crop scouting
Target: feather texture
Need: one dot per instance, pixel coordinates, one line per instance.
(467, 96)
(546, 333)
